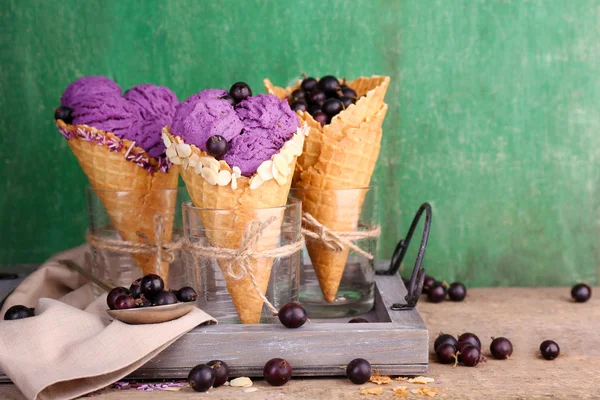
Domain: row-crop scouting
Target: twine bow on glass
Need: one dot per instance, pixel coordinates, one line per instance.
(239, 264)
(336, 241)
(164, 251)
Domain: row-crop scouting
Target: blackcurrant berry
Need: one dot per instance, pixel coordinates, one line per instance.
(436, 294)
(446, 353)
(217, 146)
(358, 371)
(17, 312)
(549, 349)
(152, 285)
(165, 298)
(277, 372)
(240, 91)
(332, 107)
(142, 302)
(201, 378)
(428, 282)
(292, 315)
(501, 348)
(135, 290)
(309, 84)
(581, 292)
(316, 97)
(329, 84)
(457, 291)
(186, 294)
(63, 113)
(298, 94)
(298, 105)
(470, 338)
(124, 302)
(221, 372)
(471, 355)
(321, 118)
(444, 338)
(113, 294)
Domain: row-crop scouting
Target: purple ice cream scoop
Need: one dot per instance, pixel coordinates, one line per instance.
(108, 113)
(88, 86)
(268, 123)
(154, 109)
(204, 115)
(139, 116)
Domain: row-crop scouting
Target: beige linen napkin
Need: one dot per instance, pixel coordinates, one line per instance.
(72, 347)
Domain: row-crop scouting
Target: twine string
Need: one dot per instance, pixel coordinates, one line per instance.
(239, 260)
(336, 241)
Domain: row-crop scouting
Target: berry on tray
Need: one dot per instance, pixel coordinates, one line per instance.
(292, 315)
(124, 302)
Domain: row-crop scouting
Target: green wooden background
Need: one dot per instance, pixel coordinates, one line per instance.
(494, 112)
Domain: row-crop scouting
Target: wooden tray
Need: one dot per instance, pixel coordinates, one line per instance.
(394, 342)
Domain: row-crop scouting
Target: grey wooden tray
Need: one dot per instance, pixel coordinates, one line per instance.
(394, 342)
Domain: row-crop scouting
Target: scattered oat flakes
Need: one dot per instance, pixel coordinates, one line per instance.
(249, 390)
(400, 392)
(425, 391)
(241, 382)
(401, 379)
(375, 391)
(423, 380)
(380, 379)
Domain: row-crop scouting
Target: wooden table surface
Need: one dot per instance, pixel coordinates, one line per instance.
(524, 315)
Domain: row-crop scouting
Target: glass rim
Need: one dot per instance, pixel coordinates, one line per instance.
(291, 202)
(91, 189)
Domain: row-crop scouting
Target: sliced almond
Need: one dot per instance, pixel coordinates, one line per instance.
(198, 168)
(281, 164)
(274, 171)
(185, 163)
(249, 390)
(166, 140)
(287, 154)
(280, 179)
(223, 178)
(233, 181)
(171, 152)
(241, 382)
(209, 175)
(183, 150)
(293, 147)
(265, 170)
(237, 172)
(256, 182)
(176, 160)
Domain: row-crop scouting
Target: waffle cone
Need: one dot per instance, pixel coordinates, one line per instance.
(340, 155)
(133, 213)
(240, 206)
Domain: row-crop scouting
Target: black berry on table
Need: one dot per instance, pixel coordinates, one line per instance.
(201, 378)
(277, 372)
(358, 371)
(221, 372)
(581, 293)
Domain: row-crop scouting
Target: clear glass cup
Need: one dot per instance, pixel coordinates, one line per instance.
(129, 215)
(346, 210)
(224, 229)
